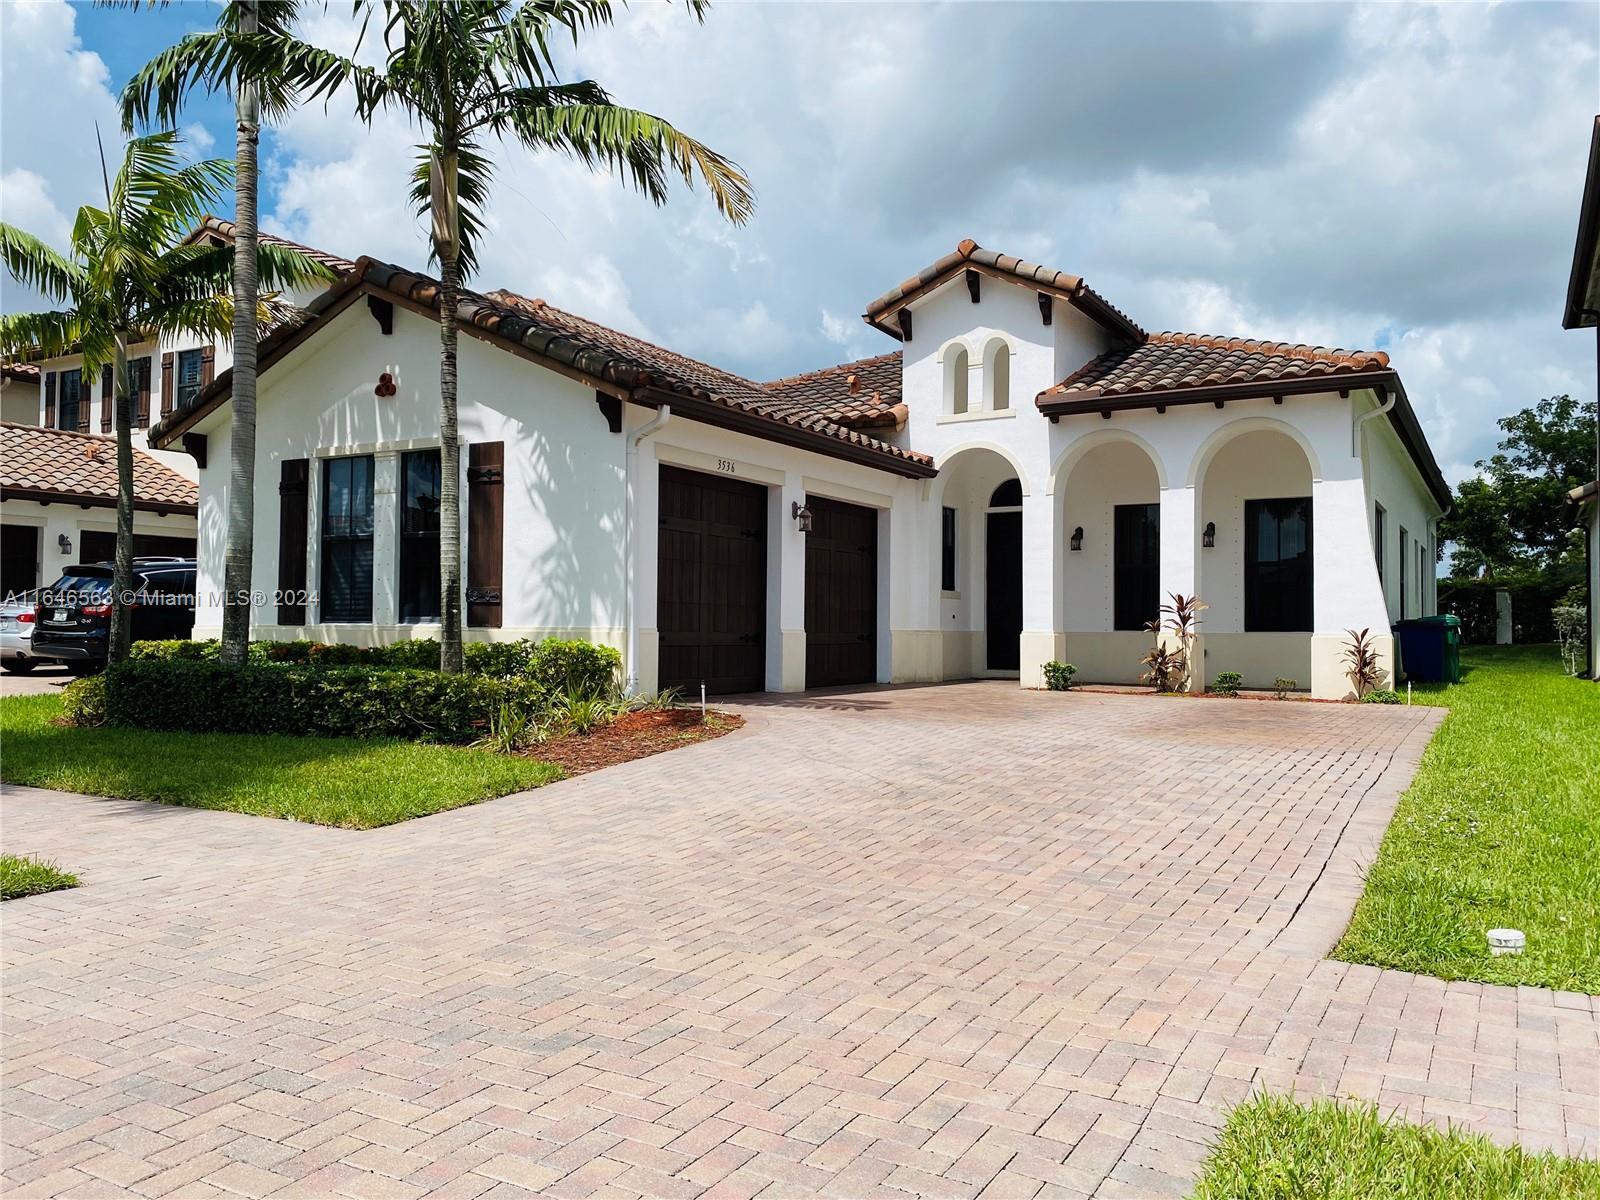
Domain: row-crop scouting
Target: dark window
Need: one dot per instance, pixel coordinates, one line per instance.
(419, 536)
(347, 539)
(71, 396)
(1403, 573)
(186, 381)
(947, 550)
(1277, 565)
(1380, 521)
(1136, 566)
(1007, 495)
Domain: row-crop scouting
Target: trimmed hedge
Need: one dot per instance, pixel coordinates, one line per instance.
(581, 668)
(195, 695)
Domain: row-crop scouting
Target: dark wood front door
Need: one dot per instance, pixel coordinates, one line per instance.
(1003, 590)
(841, 593)
(711, 591)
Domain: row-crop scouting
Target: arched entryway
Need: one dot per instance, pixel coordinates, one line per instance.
(1255, 510)
(981, 563)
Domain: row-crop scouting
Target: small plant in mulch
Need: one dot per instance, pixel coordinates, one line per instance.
(1227, 683)
(1281, 687)
(1361, 662)
(1168, 665)
(635, 734)
(1058, 676)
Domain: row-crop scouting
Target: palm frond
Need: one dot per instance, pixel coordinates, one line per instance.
(475, 172)
(50, 334)
(34, 264)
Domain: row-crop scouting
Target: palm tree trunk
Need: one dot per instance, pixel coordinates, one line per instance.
(122, 577)
(236, 599)
(450, 653)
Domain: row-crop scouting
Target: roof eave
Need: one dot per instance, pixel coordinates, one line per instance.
(96, 500)
(1583, 287)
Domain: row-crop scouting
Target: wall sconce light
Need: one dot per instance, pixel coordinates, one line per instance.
(801, 515)
(1208, 537)
(64, 543)
(1077, 539)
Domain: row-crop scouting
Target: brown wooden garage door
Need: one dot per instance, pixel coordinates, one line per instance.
(841, 593)
(712, 589)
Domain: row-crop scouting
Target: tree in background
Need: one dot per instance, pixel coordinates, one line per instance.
(467, 73)
(131, 276)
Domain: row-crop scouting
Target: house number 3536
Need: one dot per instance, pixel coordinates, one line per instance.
(725, 466)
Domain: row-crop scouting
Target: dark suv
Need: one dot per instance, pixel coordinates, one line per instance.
(73, 618)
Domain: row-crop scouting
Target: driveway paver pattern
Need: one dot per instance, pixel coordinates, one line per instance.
(946, 941)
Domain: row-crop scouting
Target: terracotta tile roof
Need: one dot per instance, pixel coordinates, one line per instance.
(58, 463)
(223, 230)
(22, 372)
(1167, 362)
(968, 254)
(1586, 493)
(864, 394)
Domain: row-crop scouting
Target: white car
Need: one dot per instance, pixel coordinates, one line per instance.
(16, 633)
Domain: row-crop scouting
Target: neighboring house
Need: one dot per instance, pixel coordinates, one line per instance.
(19, 393)
(58, 504)
(1026, 478)
(1583, 312)
(168, 376)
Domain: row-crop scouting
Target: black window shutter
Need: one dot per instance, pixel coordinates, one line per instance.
(108, 398)
(293, 495)
(485, 532)
(50, 399)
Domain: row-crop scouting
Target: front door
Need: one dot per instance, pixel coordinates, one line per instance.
(1003, 591)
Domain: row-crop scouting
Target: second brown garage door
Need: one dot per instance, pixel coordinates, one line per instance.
(841, 593)
(712, 586)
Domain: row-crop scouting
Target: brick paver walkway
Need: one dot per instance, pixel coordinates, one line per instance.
(944, 941)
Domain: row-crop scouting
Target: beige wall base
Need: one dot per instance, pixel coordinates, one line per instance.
(1105, 657)
(1260, 657)
(1037, 648)
(916, 655)
(786, 669)
(1328, 666)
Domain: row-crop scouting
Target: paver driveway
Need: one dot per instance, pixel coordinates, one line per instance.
(942, 941)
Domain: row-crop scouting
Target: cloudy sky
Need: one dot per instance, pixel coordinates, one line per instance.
(1398, 177)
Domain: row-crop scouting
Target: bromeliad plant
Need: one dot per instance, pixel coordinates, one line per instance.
(130, 276)
(1169, 663)
(1361, 662)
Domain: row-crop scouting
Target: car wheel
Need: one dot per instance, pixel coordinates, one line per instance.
(17, 666)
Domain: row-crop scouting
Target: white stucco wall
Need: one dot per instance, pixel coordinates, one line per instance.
(1394, 482)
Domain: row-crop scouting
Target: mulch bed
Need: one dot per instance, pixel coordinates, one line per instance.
(633, 735)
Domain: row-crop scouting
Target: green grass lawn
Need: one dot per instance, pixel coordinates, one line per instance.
(1275, 1149)
(1499, 829)
(22, 875)
(353, 783)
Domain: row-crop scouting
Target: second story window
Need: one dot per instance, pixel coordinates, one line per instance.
(186, 380)
(69, 409)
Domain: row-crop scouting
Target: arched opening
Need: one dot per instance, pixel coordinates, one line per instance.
(997, 375)
(1256, 576)
(956, 381)
(981, 555)
(1110, 531)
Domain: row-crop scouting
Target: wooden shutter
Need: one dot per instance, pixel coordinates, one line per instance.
(108, 396)
(50, 400)
(208, 365)
(166, 392)
(85, 398)
(143, 400)
(294, 490)
(486, 494)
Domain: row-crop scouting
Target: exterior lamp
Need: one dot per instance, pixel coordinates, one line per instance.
(1208, 536)
(1077, 539)
(65, 543)
(801, 515)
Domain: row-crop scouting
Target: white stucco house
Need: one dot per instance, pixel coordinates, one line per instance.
(1024, 477)
(1583, 312)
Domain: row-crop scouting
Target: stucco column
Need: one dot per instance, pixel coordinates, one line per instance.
(1040, 641)
(644, 485)
(1346, 594)
(908, 574)
(786, 588)
(385, 537)
(1180, 568)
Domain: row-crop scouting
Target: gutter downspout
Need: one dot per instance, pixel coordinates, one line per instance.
(630, 619)
(1391, 396)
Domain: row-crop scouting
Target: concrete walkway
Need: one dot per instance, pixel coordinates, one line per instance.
(944, 941)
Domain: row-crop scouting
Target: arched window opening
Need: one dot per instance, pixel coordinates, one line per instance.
(1007, 495)
(997, 375)
(958, 381)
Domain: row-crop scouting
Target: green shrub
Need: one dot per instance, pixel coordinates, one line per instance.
(1281, 687)
(1227, 683)
(575, 668)
(174, 649)
(1058, 676)
(500, 660)
(83, 701)
(1381, 696)
(212, 697)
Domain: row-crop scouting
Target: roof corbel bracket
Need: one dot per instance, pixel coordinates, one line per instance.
(194, 445)
(1047, 304)
(611, 409)
(1105, 414)
(1278, 399)
(904, 317)
(1218, 403)
(1161, 408)
(382, 312)
(972, 285)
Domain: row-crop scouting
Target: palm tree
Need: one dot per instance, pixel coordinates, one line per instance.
(468, 72)
(131, 276)
(156, 95)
